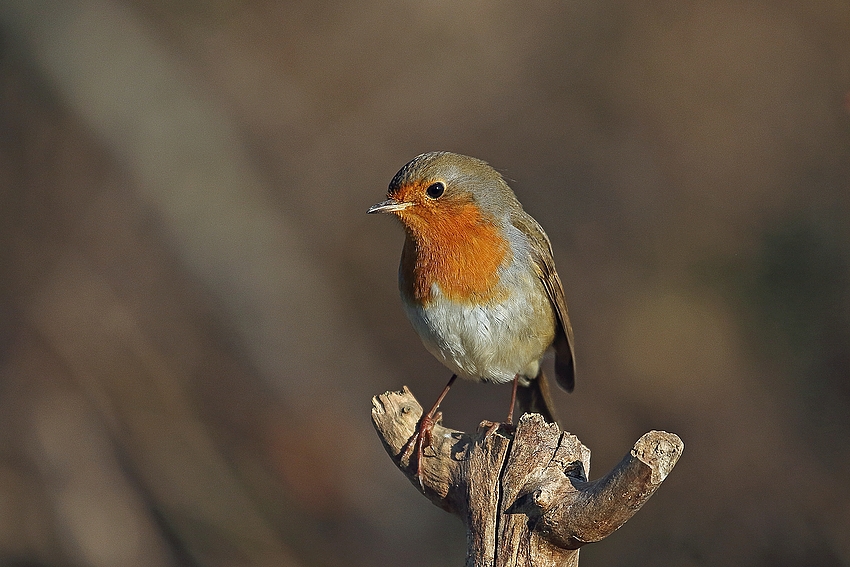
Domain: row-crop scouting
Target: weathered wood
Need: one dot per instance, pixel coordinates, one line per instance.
(523, 495)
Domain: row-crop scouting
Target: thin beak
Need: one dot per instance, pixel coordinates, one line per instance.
(388, 206)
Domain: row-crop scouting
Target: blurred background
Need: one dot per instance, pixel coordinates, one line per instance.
(195, 309)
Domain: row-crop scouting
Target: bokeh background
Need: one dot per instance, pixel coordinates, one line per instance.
(195, 310)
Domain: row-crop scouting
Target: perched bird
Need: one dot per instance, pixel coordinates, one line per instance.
(478, 281)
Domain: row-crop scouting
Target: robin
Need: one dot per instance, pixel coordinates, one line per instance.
(478, 281)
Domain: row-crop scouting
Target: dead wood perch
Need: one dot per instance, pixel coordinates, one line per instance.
(525, 500)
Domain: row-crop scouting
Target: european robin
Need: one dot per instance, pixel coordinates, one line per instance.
(478, 281)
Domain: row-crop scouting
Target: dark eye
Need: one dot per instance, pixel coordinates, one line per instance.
(435, 190)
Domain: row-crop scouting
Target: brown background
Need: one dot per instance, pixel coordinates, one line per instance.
(195, 310)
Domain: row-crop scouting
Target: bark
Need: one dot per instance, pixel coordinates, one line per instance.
(523, 495)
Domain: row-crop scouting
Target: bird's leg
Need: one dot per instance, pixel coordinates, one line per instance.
(510, 419)
(494, 425)
(421, 438)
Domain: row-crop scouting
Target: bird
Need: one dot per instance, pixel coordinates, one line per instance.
(477, 280)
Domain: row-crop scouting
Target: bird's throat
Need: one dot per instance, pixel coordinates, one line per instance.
(461, 254)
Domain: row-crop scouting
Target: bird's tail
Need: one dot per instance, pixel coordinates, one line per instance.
(537, 398)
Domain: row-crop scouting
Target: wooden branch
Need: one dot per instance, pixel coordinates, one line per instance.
(524, 497)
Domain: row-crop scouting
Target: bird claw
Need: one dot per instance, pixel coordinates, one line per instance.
(494, 426)
(421, 440)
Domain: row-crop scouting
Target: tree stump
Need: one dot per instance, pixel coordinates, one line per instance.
(523, 496)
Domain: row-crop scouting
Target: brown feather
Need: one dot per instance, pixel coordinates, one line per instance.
(545, 265)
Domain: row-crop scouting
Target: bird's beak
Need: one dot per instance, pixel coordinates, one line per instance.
(388, 206)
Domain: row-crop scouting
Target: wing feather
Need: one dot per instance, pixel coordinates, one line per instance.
(544, 263)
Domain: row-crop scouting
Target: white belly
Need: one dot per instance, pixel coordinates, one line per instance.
(491, 343)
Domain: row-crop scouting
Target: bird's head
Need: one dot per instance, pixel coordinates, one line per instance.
(455, 209)
(440, 196)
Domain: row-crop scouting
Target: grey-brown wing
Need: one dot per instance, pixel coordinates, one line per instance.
(545, 265)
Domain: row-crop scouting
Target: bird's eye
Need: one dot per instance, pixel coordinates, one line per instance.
(435, 190)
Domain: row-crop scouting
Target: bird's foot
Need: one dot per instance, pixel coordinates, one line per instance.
(494, 426)
(421, 440)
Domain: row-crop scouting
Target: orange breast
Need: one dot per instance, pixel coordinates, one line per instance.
(456, 248)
